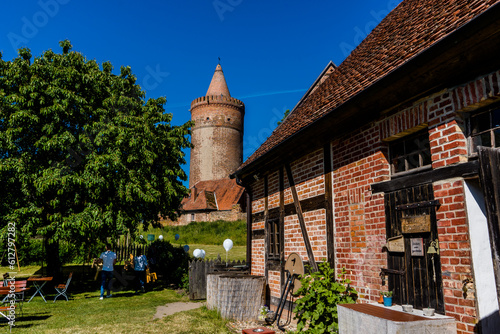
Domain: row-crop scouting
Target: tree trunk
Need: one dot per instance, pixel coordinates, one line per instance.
(54, 265)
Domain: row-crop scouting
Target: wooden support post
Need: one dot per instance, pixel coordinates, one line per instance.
(300, 216)
(281, 177)
(327, 168)
(249, 229)
(266, 227)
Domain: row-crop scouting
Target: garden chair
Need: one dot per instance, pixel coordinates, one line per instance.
(4, 312)
(7, 291)
(20, 288)
(150, 276)
(62, 288)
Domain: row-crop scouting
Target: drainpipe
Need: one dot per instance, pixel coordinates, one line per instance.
(249, 220)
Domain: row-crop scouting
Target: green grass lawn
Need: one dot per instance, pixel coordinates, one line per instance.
(125, 312)
(211, 251)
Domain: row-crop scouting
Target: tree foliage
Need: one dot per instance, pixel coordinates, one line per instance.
(83, 155)
(285, 115)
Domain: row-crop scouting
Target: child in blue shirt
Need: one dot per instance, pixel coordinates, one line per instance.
(140, 265)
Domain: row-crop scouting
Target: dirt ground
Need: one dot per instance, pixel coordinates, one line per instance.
(234, 326)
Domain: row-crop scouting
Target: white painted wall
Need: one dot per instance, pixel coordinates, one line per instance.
(482, 263)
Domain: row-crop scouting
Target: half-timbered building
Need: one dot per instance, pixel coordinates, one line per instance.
(390, 167)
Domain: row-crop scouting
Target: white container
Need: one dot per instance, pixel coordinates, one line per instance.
(428, 312)
(408, 308)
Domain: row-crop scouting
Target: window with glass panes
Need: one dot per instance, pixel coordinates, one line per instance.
(484, 129)
(273, 232)
(411, 152)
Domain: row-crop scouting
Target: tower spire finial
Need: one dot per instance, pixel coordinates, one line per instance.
(218, 85)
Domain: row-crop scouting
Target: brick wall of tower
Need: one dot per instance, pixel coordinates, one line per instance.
(217, 137)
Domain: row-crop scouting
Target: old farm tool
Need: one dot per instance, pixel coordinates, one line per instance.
(294, 267)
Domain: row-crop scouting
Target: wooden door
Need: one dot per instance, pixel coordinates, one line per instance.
(489, 159)
(411, 213)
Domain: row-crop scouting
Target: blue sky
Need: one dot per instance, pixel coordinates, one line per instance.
(271, 51)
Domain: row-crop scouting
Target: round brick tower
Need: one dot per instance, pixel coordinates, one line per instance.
(217, 134)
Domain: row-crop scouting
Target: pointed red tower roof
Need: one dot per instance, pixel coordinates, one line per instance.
(218, 84)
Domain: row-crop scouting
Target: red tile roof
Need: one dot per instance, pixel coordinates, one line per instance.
(213, 195)
(412, 27)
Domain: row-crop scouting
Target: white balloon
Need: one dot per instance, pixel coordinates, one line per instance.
(197, 253)
(160, 237)
(202, 253)
(228, 244)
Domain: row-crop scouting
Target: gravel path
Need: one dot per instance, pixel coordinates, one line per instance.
(168, 309)
(235, 326)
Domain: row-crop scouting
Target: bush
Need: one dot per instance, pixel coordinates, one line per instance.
(30, 251)
(168, 261)
(321, 293)
(185, 282)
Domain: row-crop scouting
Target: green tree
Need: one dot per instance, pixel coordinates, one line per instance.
(83, 155)
(285, 115)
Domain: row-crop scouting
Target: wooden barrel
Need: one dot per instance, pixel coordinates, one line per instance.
(236, 296)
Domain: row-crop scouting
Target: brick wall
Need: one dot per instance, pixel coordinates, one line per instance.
(212, 216)
(308, 176)
(359, 160)
(258, 257)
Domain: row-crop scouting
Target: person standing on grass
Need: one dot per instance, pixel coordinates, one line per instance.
(108, 261)
(140, 265)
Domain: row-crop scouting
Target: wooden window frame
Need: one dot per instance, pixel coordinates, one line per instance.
(273, 241)
(490, 129)
(423, 137)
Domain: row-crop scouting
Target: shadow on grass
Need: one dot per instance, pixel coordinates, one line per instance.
(30, 320)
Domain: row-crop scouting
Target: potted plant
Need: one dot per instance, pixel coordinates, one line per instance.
(387, 298)
(381, 299)
(263, 311)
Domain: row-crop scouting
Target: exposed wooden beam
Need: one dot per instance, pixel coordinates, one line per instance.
(308, 204)
(249, 229)
(466, 169)
(281, 225)
(327, 168)
(266, 227)
(300, 216)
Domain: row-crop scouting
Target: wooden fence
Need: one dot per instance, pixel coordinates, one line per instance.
(123, 250)
(199, 269)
